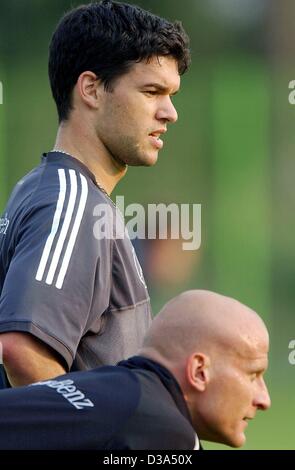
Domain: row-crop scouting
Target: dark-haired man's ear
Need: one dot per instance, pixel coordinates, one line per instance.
(197, 371)
(89, 89)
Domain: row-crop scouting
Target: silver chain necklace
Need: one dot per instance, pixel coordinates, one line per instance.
(98, 185)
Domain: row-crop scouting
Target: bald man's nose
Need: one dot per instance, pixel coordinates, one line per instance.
(262, 399)
(167, 111)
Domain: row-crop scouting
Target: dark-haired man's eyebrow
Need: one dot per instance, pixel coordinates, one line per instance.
(160, 88)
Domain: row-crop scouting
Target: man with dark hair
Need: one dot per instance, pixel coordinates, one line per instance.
(200, 370)
(71, 300)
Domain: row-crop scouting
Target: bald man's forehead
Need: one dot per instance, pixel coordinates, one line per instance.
(257, 365)
(251, 346)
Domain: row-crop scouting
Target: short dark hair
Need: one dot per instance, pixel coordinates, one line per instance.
(107, 38)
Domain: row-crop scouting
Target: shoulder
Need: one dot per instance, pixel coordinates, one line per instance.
(156, 423)
(61, 189)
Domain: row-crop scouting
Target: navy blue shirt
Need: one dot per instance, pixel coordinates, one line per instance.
(136, 405)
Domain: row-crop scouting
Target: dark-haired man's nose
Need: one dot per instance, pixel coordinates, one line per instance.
(167, 111)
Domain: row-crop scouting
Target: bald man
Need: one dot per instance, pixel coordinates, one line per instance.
(199, 375)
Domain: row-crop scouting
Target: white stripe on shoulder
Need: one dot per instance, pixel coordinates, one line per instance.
(74, 233)
(64, 229)
(55, 224)
(197, 443)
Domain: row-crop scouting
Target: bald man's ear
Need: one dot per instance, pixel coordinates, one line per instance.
(197, 371)
(89, 89)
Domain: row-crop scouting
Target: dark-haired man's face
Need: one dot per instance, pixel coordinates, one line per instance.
(133, 117)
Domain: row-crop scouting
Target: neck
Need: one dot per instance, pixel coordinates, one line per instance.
(173, 366)
(86, 147)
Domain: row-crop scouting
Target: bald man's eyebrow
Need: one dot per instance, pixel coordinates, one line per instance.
(259, 369)
(161, 88)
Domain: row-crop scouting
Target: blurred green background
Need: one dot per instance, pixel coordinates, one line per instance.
(232, 151)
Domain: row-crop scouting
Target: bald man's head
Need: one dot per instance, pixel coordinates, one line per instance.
(204, 321)
(217, 350)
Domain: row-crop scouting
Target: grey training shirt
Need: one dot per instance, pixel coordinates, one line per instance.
(63, 278)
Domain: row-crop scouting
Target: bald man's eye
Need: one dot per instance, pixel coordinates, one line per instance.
(256, 375)
(151, 92)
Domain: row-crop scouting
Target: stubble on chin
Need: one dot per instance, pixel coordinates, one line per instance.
(135, 154)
